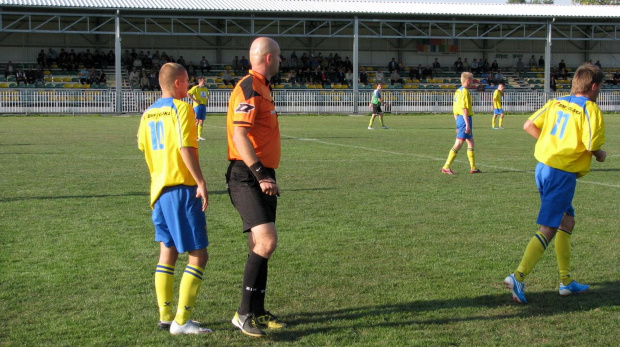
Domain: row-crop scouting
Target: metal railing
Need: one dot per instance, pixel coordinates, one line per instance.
(43, 101)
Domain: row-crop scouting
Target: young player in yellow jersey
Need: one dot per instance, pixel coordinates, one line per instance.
(462, 110)
(167, 136)
(570, 131)
(200, 96)
(498, 94)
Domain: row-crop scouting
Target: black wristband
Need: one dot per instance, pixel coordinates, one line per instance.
(258, 170)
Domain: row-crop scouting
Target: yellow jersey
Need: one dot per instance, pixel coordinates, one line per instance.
(166, 127)
(200, 94)
(462, 99)
(497, 98)
(571, 127)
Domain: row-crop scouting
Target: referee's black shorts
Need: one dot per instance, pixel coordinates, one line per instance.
(254, 206)
(376, 109)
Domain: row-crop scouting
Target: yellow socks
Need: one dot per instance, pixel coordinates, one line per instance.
(164, 283)
(451, 156)
(501, 122)
(494, 122)
(471, 157)
(562, 252)
(372, 119)
(199, 130)
(533, 252)
(188, 290)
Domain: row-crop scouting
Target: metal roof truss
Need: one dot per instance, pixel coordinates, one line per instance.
(134, 24)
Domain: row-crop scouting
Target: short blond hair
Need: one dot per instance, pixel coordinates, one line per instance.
(585, 76)
(466, 76)
(168, 73)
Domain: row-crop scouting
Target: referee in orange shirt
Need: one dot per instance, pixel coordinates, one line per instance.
(254, 153)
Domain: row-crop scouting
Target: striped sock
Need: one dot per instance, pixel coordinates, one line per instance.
(533, 252)
(164, 287)
(472, 158)
(188, 291)
(451, 156)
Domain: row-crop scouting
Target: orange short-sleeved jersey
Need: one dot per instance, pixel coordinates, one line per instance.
(252, 106)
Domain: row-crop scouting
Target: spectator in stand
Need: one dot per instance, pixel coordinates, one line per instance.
(414, 74)
(348, 76)
(109, 59)
(88, 59)
(541, 62)
(616, 78)
(474, 66)
(83, 75)
(145, 83)
(427, 72)
(552, 83)
(227, 78)
(39, 75)
(498, 77)
(245, 65)
(392, 65)
(486, 67)
(347, 64)
(42, 59)
(9, 69)
(532, 62)
(395, 78)
(436, 67)
(379, 77)
(154, 80)
(191, 70)
(466, 65)
(520, 68)
(562, 74)
(181, 61)
(363, 77)
(30, 76)
(561, 65)
(134, 77)
(52, 57)
(20, 76)
(598, 63)
(93, 76)
(101, 78)
(458, 66)
(204, 66)
(494, 66)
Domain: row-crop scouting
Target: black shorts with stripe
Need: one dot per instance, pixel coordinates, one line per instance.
(254, 206)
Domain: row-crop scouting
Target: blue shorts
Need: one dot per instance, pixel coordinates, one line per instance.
(556, 188)
(498, 111)
(460, 127)
(201, 112)
(179, 220)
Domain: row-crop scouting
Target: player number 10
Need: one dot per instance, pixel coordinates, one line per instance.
(560, 122)
(157, 135)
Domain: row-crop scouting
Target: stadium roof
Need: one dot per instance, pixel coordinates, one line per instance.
(335, 7)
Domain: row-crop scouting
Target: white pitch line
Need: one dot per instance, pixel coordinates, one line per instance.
(422, 156)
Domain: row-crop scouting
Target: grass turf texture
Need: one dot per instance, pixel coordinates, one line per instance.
(376, 247)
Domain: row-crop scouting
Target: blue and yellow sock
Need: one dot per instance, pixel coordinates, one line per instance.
(533, 252)
(562, 253)
(188, 291)
(164, 287)
(451, 156)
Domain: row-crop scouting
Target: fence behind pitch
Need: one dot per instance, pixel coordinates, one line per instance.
(33, 101)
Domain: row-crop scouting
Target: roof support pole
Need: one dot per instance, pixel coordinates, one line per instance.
(548, 58)
(117, 63)
(355, 64)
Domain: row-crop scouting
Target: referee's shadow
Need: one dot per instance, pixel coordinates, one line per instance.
(410, 314)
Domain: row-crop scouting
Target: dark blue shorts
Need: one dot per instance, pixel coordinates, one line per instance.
(201, 112)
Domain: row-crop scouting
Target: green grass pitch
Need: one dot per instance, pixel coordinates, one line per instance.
(376, 246)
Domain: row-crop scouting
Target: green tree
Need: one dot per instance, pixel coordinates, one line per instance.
(596, 2)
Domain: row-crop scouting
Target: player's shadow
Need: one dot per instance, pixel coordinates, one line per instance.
(90, 196)
(404, 315)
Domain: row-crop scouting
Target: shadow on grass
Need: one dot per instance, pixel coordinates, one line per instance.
(23, 198)
(493, 307)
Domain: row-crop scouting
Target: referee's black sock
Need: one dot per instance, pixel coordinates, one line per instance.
(258, 297)
(251, 275)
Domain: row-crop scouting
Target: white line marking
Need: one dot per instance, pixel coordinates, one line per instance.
(425, 156)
